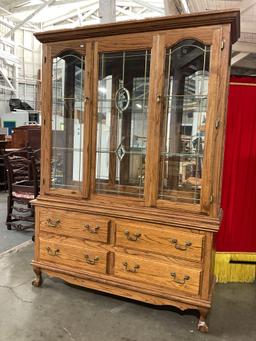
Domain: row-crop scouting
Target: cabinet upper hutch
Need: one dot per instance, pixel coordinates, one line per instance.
(132, 146)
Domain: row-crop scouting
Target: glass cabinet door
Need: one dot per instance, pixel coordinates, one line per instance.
(67, 121)
(184, 122)
(123, 89)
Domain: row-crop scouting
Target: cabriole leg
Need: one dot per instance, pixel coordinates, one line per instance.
(202, 326)
(37, 282)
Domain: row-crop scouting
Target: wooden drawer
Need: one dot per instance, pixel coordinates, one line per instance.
(74, 224)
(161, 240)
(165, 274)
(73, 256)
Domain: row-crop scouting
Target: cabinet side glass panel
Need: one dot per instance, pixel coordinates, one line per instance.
(67, 121)
(123, 88)
(183, 129)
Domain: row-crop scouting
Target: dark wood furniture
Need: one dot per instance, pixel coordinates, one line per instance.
(23, 187)
(3, 179)
(133, 132)
(29, 135)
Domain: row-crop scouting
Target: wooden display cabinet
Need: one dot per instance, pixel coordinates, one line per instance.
(132, 146)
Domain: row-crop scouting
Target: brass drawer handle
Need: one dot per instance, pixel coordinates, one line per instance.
(133, 270)
(186, 278)
(53, 222)
(52, 252)
(132, 237)
(91, 261)
(91, 228)
(180, 247)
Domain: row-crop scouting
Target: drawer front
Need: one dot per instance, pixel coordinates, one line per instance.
(74, 224)
(161, 240)
(74, 257)
(165, 274)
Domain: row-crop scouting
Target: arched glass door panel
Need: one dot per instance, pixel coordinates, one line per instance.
(184, 122)
(67, 121)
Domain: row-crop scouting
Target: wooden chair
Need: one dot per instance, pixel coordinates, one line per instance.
(23, 187)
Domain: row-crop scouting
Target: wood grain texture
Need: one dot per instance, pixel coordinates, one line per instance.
(117, 283)
(146, 249)
(163, 274)
(208, 18)
(178, 218)
(66, 223)
(123, 292)
(155, 103)
(71, 254)
(207, 196)
(88, 118)
(159, 239)
(219, 145)
(46, 120)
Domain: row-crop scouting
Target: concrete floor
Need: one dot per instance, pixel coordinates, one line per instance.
(10, 238)
(58, 311)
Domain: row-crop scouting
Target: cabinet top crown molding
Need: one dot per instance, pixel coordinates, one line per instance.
(153, 24)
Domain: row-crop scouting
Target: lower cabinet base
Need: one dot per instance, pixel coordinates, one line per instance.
(123, 290)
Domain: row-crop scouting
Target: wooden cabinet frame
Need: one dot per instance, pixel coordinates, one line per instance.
(214, 36)
(66, 218)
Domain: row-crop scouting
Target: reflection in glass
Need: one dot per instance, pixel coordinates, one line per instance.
(122, 122)
(67, 121)
(183, 139)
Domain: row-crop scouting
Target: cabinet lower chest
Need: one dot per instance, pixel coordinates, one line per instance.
(163, 262)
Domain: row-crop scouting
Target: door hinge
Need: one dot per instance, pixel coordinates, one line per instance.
(43, 181)
(222, 45)
(211, 199)
(44, 121)
(45, 59)
(217, 123)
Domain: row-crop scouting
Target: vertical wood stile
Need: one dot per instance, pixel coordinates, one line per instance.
(88, 116)
(219, 146)
(156, 88)
(209, 152)
(46, 136)
(94, 111)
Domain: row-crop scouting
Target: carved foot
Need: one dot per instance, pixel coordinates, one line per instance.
(202, 326)
(37, 282)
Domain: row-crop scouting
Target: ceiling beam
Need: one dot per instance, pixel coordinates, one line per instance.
(148, 5)
(170, 7)
(246, 4)
(30, 16)
(239, 57)
(241, 46)
(107, 11)
(128, 13)
(10, 86)
(248, 26)
(70, 14)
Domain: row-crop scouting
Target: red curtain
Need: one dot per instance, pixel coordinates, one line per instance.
(238, 228)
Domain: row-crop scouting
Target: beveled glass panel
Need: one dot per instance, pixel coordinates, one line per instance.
(185, 114)
(67, 121)
(122, 122)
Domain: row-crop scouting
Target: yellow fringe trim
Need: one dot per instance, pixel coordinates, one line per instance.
(229, 272)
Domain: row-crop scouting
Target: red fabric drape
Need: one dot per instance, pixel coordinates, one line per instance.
(238, 228)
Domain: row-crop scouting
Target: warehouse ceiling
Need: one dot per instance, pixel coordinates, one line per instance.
(51, 14)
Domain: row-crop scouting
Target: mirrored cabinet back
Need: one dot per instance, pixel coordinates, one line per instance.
(132, 146)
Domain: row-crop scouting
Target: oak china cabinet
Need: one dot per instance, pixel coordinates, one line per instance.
(132, 146)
